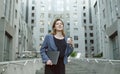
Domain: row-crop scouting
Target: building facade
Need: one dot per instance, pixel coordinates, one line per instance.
(106, 19)
(69, 11)
(13, 29)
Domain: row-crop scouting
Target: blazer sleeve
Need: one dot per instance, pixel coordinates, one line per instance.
(69, 49)
(43, 49)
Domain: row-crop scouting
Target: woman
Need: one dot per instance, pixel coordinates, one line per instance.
(56, 41)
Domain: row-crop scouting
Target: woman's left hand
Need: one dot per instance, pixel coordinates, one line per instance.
(70, 41)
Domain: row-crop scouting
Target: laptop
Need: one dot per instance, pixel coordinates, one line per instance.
(53, 55)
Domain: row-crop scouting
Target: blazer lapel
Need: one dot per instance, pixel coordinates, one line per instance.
(52, 43)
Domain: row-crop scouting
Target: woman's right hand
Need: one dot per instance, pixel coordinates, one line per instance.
(49, 62)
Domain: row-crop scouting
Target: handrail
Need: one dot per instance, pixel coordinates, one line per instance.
(98, 60)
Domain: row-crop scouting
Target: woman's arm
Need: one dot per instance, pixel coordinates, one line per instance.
(43, 49)
(70, 49)
(70, 46)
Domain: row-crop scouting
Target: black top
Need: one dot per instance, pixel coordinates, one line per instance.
(61, 45)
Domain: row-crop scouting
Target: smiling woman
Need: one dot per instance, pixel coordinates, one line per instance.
(56, 41)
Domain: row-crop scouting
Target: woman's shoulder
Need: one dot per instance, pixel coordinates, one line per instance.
(49, 35)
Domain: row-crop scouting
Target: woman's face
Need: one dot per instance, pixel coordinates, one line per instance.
(59, 26)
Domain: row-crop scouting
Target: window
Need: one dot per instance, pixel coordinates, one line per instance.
(76, 45)
(91, 41)
(84, 21)
(75, 29)
(85, 41)
(67, 16)
(75, 22)
(104, 13)
(68, 24)
(75, 15)
(105, 26)
(86, 49)
(33, 8)
(7, 46)
(75, 37)
(115, 46)
(32, 21)
(42, 15)
(91, 34)
(92, 48)
(32, 27)
(83, 1)
(32, 14)
(41, 30)
(85, 34)
(85, 27)
(41, 38)
(83, 7)
(96, 8)
(84, 14)
(15, 13)
(33, 1)
(91, 27)
(41, 22)
(49, 15)
(16, 1)
(49, 31)
(42, 8)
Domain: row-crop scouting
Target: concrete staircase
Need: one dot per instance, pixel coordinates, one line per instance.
(91, 66)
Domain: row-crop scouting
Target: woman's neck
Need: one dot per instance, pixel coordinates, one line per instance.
(59, 35)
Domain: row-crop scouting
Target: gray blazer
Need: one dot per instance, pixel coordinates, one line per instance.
(49, 44)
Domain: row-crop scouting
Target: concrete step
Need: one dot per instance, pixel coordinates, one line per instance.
(72, 67)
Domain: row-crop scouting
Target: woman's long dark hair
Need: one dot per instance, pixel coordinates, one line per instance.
(53, 26)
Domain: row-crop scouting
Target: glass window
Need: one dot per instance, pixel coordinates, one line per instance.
(41, 22)
(42, 15)
(33, 1)
(33, 8)
(85, 34)
(91, 41)
(91, 34)
(76, 45)
(83, 7)
(33, 15)
(85, 41)
(91, 27)
(104, 13)
(41, 38)
(75, 37)
(84, 14)
(32, 21)
(16, 1)
(7, 47)
(41, 30)
(96, 8)
(86, 49)
(84, 20)
(15, 13)
(75, 29)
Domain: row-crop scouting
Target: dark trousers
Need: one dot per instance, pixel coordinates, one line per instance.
(59, 68)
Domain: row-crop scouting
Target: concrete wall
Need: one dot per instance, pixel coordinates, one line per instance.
(21, 67)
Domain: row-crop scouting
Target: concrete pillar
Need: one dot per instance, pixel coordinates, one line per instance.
(2, 36)
(118, 17)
